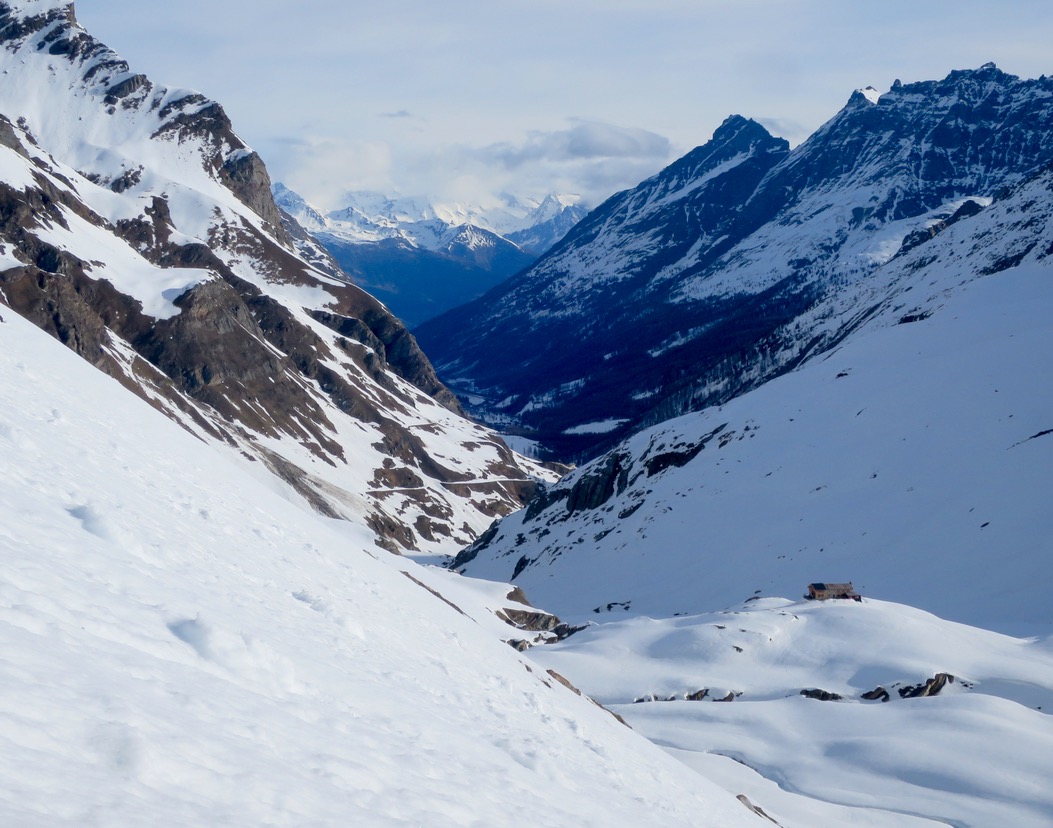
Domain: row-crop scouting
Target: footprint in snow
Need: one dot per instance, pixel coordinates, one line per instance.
(91, 521)
(194, 633)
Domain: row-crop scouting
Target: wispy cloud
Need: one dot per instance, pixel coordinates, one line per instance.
(586, 140)
(793, 131)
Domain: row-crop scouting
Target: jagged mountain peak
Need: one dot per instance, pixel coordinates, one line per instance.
(739, 127)
(969, 87)
(308, 216)
(861, 98)
(120, 112)
(734, 141)
(735, 137)
(551, 206)
(38, 13)
(922, 143)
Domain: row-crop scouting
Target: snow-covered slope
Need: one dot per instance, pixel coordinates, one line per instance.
(182, 646)
(904, 444)
(137, 227)
(914, 459)
(694, 286)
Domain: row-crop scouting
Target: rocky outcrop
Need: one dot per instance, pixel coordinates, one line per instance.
(697, 695)
(821, 695)
(361, 318)
(529, 620)
(658, 459)
(550, 629)
(756, 809)
(592, 490)
(566, 683)
(244, 173)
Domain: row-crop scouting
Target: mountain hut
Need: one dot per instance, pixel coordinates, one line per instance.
(821, 592)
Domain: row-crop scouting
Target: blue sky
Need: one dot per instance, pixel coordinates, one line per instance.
(463, 99)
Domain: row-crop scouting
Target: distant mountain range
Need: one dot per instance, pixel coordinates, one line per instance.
(421, 258)
(738, 262)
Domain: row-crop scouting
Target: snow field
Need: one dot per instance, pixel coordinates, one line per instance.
(977, 754)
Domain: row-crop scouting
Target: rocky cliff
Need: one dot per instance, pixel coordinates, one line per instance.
(140, 230)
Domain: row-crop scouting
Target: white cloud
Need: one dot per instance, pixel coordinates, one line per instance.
(588, 158)
(323, 170)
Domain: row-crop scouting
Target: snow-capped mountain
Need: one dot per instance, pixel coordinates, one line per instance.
(912, 459)
(693, 287)
(423, 258)
(546, 224)
(370, 216)
(139, 229)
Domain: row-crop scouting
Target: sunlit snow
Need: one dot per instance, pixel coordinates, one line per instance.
(183, 647)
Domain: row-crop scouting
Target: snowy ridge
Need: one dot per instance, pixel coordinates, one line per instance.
(370, 217)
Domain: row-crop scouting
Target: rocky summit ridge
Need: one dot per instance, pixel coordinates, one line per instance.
(139, 229)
